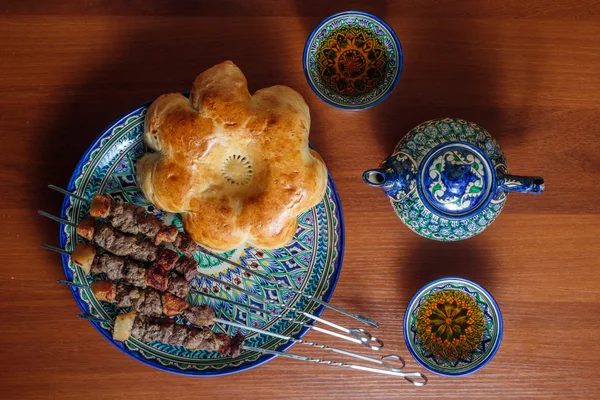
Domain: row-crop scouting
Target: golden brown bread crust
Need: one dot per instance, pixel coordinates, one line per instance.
(238, 167)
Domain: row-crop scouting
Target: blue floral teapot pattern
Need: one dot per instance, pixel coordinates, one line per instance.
(447, 179)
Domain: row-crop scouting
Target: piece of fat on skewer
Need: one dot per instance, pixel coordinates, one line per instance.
(83, 256)
(123, 326)
(104, 290)
(85, 228)
(100, 206)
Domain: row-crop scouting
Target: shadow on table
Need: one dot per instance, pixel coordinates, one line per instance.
(143, 58)
(451, 69)
(430, 260)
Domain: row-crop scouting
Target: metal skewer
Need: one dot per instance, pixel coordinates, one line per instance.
(380, 360)
(273, 314)
(57, 219)
(416, 378)
(355, 338)
(361, 334)
(365, 320)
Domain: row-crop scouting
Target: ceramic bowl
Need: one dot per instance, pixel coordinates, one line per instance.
(453, 327)
(352, 60)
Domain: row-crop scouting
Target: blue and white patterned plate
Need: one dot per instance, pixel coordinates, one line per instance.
(311, 262)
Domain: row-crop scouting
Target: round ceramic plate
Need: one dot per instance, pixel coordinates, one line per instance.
(352, 60)
(310, 263)
(453, 327)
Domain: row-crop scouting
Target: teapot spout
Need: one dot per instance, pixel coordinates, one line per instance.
(395, 177)
(522, 184)
(375, 177)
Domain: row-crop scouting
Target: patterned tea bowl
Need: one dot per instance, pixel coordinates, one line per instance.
(352, 60)
(453, 327)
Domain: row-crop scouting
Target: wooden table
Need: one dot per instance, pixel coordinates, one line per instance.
(528, 71)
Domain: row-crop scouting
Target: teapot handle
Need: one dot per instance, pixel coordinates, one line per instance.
(521, 184)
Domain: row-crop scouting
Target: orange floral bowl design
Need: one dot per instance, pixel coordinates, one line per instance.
(353, 60)
(453, 327)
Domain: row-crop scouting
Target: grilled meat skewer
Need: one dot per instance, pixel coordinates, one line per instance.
(107, 237)
(120, 244)
(151, 302)
(165, 330)
(86, 256)
(89, 260)
(133, 219)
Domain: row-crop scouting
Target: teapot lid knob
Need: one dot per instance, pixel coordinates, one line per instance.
(456, 180)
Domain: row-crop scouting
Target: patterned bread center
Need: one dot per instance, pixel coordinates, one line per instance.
(237, 170)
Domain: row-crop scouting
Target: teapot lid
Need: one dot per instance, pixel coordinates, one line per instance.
(456, 180)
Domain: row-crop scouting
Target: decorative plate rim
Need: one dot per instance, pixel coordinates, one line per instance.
(137, 356)
(394, 38)
(417, 296)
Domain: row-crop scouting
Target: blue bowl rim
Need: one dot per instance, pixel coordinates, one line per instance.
(396, 41)
(84, 308)
(494, 305)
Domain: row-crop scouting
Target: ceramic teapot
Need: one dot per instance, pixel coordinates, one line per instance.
(448, 180)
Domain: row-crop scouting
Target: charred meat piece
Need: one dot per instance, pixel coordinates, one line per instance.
(148, 302)
(173, 305)
(236, 344)
(167, 259)
(187, 267)
(166, 234)
(179, 334)
(185, 244)
(157, 277)
(127, 295)
(132, 219)
(199, 339)
(116, 268)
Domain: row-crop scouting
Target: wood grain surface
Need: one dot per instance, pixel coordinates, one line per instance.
(528, 71)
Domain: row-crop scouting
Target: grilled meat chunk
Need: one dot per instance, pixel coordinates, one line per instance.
(178, 286)
(167, 259)
(201, 315)
(134, 274)
(167, 234)
(157, 277)
(173, 305)
(187, 267)
(185, 244)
